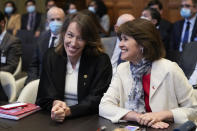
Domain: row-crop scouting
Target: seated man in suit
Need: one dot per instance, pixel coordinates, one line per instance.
(48, 39)
(111, 44)
(188, 62)
(31, 20)
(184, 31)
(164, 27)
(10, 48)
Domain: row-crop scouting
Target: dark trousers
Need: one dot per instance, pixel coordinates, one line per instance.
(3, 96)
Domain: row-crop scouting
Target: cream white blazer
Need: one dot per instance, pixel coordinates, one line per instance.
(169, 90)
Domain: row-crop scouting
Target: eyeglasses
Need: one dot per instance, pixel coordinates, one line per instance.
(186, 5)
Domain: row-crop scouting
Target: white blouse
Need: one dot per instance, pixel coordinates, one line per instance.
(70, 95)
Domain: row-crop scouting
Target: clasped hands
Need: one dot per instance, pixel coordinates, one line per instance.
(59, 111)
(151, 119)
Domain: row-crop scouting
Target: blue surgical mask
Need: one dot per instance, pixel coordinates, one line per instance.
(31, 9)
(8, 10)
(72, 11)
(55, 26)
(92, 9)
(185, 13)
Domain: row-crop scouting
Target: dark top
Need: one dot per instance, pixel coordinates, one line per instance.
(95, 73)
(188, 59)
(34, 69)
(3, 96)
(10, 48)
(24, 21)
(177, 32)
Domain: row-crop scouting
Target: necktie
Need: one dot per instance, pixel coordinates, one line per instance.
(31, 22)
(53, 41)
(186, 35)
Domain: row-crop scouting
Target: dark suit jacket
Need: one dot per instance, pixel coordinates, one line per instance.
(94, 77)
(11, 46)
(34, 69)
(188, 59)
(165, 28)
(177, 32)
(24, 21)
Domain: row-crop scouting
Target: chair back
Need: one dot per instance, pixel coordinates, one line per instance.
(29, 92)
(9, 85)
(18, 68)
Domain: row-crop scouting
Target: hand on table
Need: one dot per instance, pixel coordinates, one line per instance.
(59, 111)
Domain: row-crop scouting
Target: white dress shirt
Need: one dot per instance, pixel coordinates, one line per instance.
(70, 95)
(115, 56)
(2, 36)
(193, 77)
(56, 40)
(192, 22)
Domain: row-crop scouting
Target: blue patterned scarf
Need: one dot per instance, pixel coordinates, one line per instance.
(136, 95)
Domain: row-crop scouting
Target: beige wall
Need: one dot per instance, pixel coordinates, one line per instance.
(20, 4)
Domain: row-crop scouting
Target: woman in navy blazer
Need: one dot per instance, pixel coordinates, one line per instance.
(80, 47)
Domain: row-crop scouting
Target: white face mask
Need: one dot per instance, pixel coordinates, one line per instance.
(146, 18)
(92, 9)
(72, 11)
(31, 8)
(55, 26)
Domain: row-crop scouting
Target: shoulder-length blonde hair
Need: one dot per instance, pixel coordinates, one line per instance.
(88, 31)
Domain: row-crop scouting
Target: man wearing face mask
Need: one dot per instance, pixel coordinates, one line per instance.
(44, 25)
(185, 31)
(31, 20)
(47, 39)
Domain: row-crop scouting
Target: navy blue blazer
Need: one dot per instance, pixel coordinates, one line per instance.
(177, 32)
(188, 59)
(24, 21)
(95, 73)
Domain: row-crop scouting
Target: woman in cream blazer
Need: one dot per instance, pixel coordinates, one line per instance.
(170, 96)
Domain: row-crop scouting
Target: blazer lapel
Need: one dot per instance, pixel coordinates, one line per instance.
(180, 31)
(83, 76)
(157, 76)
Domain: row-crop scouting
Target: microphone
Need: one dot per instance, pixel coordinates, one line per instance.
(187, 126)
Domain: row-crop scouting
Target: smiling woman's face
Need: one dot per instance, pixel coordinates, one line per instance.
(73, 42)
(130, 50)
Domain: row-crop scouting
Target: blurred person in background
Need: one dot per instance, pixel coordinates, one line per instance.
(111, 44)
(70, 8)
(13, 18)
(48, 39)
(31, 20)
(44, 25)
(102, 32)
(99, 8)
(10, 48)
